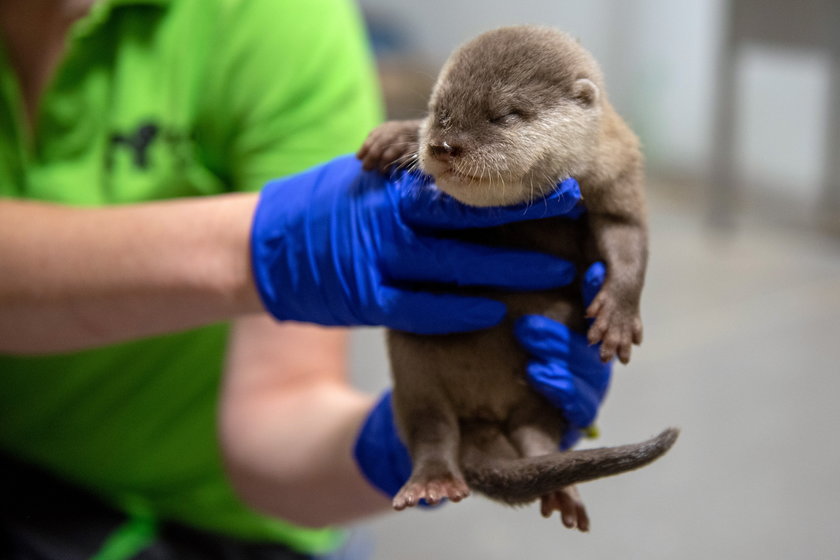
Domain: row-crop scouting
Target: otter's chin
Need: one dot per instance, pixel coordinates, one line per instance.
(482, 192)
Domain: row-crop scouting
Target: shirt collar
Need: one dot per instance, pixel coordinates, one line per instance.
(101, 11)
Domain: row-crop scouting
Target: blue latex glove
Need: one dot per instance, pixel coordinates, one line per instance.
(380, 453)
(564, 367)
(338, 246)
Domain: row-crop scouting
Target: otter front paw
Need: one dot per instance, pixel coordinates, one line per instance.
(572, 511)
(617, 326)
(393, 143)
(433, 490)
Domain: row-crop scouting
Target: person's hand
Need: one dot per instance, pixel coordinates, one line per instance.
(338, 246)
(379, 452)
(564, 368)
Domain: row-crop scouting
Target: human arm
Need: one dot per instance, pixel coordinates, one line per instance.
(73, 278)
(331, 246)
(288, 422)
(291, 85)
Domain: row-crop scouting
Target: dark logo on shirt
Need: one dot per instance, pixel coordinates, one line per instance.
(137, 143)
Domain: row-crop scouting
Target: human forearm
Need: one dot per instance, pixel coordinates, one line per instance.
(290, 456)
(289, 421)
(72, 278)
(332, 246)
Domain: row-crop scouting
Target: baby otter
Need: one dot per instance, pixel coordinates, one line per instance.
(515, 111)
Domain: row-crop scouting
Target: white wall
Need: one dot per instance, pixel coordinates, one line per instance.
(782, 109)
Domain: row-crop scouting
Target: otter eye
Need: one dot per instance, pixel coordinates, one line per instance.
(508, 118)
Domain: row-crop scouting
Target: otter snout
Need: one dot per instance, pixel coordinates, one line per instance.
(444, 151)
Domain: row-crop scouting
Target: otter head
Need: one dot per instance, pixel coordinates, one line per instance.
(513, 112)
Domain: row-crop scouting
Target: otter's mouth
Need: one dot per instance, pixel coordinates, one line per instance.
(460, 176)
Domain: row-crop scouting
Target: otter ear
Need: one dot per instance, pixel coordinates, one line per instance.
(585, 92)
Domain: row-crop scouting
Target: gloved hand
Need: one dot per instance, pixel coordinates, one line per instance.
(380, 453)
(338, 246)
(564, 368)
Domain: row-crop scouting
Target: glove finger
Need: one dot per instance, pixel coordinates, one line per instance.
(552, 340)
(570, 438)
(468, 264)
(593, 279)
(544, 337)
(426, 207)
(555, 343)
(573, 395)
(427, 313)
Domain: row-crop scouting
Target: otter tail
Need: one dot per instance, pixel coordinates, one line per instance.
(523, 480)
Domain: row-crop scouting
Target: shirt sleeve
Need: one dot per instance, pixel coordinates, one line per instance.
(291, 84)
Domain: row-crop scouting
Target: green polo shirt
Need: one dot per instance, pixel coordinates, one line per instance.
(159, 99)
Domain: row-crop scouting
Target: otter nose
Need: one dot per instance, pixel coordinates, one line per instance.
(444, 151)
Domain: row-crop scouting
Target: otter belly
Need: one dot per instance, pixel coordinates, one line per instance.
(481, 375)
(477, 375)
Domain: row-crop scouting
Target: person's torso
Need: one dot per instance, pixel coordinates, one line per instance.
(125, 119)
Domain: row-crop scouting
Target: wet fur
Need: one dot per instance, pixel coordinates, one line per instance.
(513, 112)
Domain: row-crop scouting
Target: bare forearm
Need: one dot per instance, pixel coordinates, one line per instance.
(290, 455)
(73, 278)
(289, 421)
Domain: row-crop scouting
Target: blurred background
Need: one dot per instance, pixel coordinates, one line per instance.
(737, 104)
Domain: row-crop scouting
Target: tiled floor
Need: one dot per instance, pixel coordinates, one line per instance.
(742, 351)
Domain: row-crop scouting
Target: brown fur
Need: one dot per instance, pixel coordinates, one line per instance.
(515, 111)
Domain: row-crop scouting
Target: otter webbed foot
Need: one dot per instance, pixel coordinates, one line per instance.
(432, 490)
